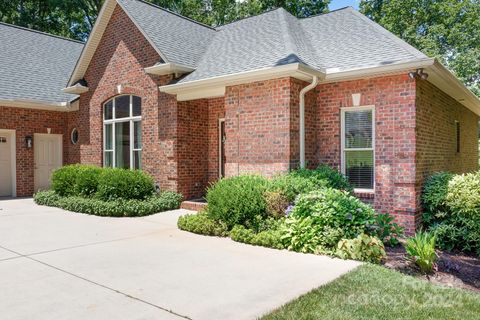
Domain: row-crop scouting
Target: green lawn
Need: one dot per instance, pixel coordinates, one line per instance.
(374, 292)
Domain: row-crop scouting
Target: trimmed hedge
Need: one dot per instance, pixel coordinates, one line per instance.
(267, 238)
(117, 208)
(201, 224)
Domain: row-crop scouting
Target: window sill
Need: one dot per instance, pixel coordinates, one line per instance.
(364, 193)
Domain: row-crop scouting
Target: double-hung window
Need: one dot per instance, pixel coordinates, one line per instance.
(122, 132)
(358, 143)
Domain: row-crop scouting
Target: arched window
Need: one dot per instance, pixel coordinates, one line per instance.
(122, 132)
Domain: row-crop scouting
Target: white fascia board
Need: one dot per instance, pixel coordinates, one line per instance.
(40, 105)
(93, 41)
(335, 74)
(201, 94)
(443, 79)
(168, 68)
(296, 70)
(75, 89)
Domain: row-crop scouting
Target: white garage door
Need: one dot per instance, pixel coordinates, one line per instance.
(7, 163)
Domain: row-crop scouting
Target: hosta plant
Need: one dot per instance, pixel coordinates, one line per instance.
(362, 248)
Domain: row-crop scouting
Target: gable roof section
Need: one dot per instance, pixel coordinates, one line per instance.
(34, 66)
(332, 42)
(178, 40)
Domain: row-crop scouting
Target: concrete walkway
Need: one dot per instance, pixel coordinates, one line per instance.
(56, 264)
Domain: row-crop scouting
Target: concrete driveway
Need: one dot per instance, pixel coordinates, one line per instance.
(56, 264)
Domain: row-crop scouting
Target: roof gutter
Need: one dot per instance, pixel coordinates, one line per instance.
(39, 104)
(296, 70)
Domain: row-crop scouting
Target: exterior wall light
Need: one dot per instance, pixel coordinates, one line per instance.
(28, 142)
(418, 74)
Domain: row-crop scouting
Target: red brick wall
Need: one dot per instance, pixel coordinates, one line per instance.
(257, 122)
(26, 122)
(120, 59)
(394, 101)
(436, 134)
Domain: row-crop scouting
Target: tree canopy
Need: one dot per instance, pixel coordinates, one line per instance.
(446, 29)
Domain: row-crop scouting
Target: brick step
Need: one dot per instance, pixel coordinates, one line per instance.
(193, 205)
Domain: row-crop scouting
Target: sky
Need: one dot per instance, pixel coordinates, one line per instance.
(335, 4)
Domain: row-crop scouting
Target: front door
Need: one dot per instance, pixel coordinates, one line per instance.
(6, 163)
(221, 133)
(48, 157)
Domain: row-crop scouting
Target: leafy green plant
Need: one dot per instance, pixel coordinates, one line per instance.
(301, 234)
(336, 209)
(276, 204)
(64, 179)
(326, 176)
(386, 229)
(463, 196)
(115, 208)
(294, 183)
(238, 200)
(363, 248)
(268, 238)
(86, 180)
(434, 197)
(115, 183)
(200, 223)
(421, 249)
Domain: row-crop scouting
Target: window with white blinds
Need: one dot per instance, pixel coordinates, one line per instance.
(358, 141)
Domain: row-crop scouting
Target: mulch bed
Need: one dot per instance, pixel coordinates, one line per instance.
(453, 269)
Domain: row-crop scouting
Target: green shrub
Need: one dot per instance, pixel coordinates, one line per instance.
(276, 204)
(301, 234)
(335, 209)
(86, 180)
(463, 196)
(267, 238)
(451, 211)
(64, 179)
(200, 223)
(238, 200)
(115, 183)
(421, 249)
(326, 176)
(292, 184)
(434, 197)
(115, 208)
(386, 229)
(47, 198)
(362, 248)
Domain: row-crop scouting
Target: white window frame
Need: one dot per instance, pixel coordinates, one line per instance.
(113, 121)
(342, 151)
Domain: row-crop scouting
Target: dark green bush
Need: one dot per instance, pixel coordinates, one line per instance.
(292, 184)
(386, 229)
(267, 238)
(434, 197)
(64, 179)
(452, 211)
(334, 179)
(115, 183)
(116, 208)
(86, 181)
(238, 200)
(201, 224)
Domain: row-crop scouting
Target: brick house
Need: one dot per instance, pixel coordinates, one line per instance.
(189, 103)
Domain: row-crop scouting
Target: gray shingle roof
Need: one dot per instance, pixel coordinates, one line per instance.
(342, 39)
(35, 65)
(180, 40)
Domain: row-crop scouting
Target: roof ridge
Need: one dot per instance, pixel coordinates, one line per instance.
(289, 41)
(40, 32)
(331, 11)
(252, 16)
(177, 14)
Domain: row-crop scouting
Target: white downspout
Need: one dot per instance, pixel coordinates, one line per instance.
(302, 119)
